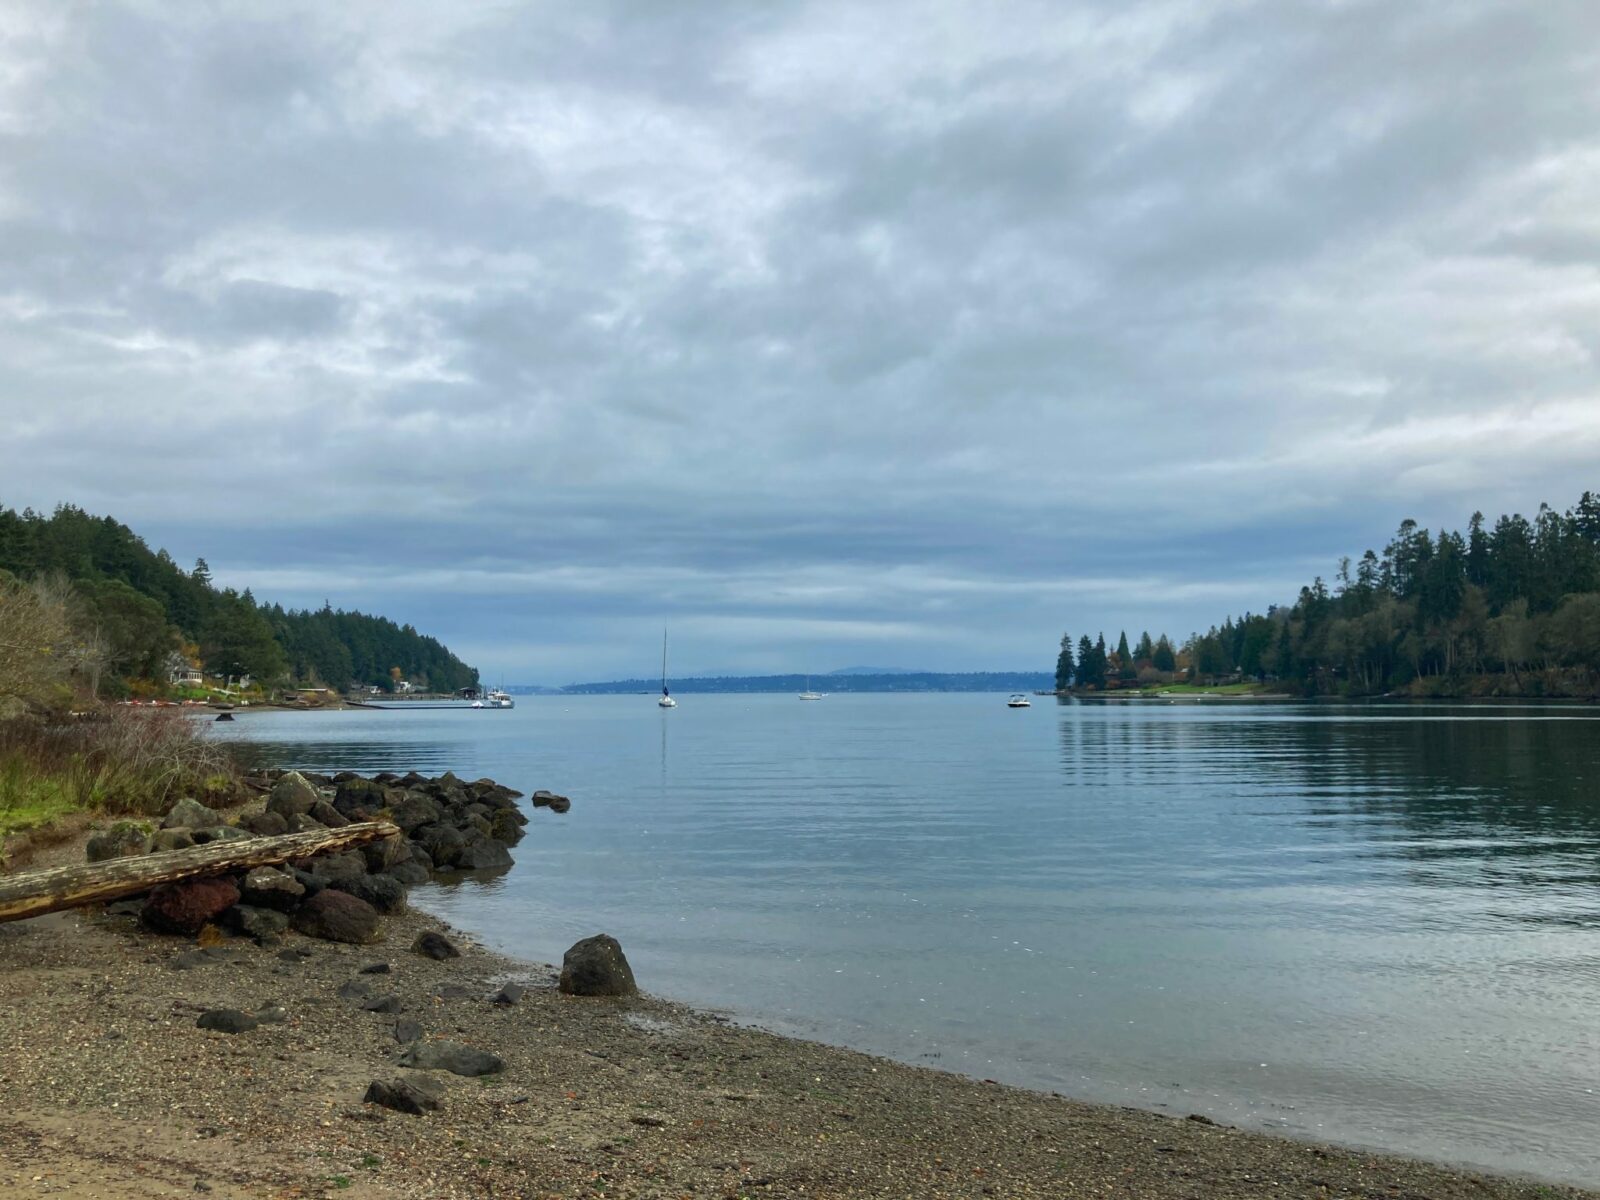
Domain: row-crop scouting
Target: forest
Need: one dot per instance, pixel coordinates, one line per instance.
(135, 612)
(1511, 608)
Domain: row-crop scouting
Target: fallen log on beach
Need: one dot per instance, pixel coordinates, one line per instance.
(35, 893)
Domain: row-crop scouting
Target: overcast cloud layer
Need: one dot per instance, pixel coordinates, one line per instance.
(900, 334)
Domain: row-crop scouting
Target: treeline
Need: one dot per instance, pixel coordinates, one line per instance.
(137, 613)
(1512, 608)
(900, 681)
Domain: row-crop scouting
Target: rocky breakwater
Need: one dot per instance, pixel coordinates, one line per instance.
(447, 824)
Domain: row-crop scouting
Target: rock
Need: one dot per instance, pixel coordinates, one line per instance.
(292, 796)
(384, 1004)
(265, 824)
(505, 828)
(294, 954)
(434, 945)
(125, 839)
(384, 892)
(272, 1014)
(374, 968)
(226, 1020)
(311, 883)
(124, 908)
(555, 803)
(187, 906)
(357, 792)
(452, 1057)
(452, 991)
(255, 922)
(171, 839)
(355, 989)
(336, 868)
(443, 843)
(191, 814)
(409, 873)
(328, 815)
(208, 957)
(415, 1096)
(385, 853)
(338, 917)
(511, 993)
(222, 833)
(407, 1030)
(413, 812)
(487, 855)
(596, 967)
(304, 823)
(268, 887)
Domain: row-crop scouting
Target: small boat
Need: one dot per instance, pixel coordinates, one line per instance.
(499, 698)
(1019, 701)
(666, 700)
(808, 694)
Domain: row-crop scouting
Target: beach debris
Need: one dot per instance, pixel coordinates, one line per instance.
(434, 945)
(596, 966)
(451, 1056)
(338, 917)
(414, 1096)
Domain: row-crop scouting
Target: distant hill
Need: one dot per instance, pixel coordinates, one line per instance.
(908, 681)
(877, 671)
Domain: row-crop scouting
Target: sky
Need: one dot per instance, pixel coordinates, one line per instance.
(824, 334)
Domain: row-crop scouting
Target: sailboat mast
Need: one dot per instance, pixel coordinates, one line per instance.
(663, 662)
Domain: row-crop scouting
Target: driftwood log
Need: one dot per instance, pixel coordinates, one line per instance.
(34, 893)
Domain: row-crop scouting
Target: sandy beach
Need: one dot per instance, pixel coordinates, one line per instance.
(109, 1090)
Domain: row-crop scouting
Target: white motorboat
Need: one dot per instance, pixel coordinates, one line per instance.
(808, 694)
(499, 698)
(1019, 701)
(666, 700)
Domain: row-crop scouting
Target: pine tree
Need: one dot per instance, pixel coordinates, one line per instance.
(1065, 667)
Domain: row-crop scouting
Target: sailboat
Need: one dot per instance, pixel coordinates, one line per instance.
(666, 700)
(808, 694)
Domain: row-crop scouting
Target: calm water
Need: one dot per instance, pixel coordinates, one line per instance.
(1377, 925)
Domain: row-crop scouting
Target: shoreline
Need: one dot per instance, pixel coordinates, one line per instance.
(636, 1097)
(108, 1090)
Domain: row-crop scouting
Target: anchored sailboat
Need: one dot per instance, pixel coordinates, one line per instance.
(666, 700)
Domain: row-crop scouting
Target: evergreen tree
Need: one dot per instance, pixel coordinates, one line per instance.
(1065, 667)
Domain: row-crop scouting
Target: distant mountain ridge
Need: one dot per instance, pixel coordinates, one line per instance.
(900, 681)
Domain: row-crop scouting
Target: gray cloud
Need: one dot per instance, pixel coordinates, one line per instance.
(905, 333)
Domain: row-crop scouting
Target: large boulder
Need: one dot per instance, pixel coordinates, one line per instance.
(385, 853)
(410, 873)
(191, 814)
(555, 803)
(189, 906)
(413, 811)
(125, 839)
(504, 826)
(260, 923)
(443, 843)
(171, 839)
(338, 917)
(328, 815)
(596, 967)
(265, 824)
(268, 887)
(293, 796)
(384, 892)
(337, 868)
(434, 945)
(487, 855)
(451, 1056)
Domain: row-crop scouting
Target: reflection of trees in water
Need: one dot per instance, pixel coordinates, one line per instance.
(1509, 801)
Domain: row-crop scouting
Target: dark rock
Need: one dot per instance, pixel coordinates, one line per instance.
(511, 993)
(191, 814)
(255, 922)
(355, 989)
(338, 917)
(452, 1057)
(356, 791)
(420, 855)
(443, 843)
(125, 839)
(265, 824)
(304, 823)
(328, 815)
(293, 955)
(410, 873)
(434, 945)
(267, 887)
(487, 855)
(311, 883)
(384, 892)
(385, 1004)
(226, 1020)
(188, 906)
(596, 967)
(335, 868)
(374, 968)
(293, 795)
(504, 827)
(452, 991)
(414, 811)
(222, 833)
(171, 839)
(475, 824)
(124, 908)
(385, 853)
(407, 1030)
(272, 1014)
(411, 779)
(555, 803)
(415, 1096)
